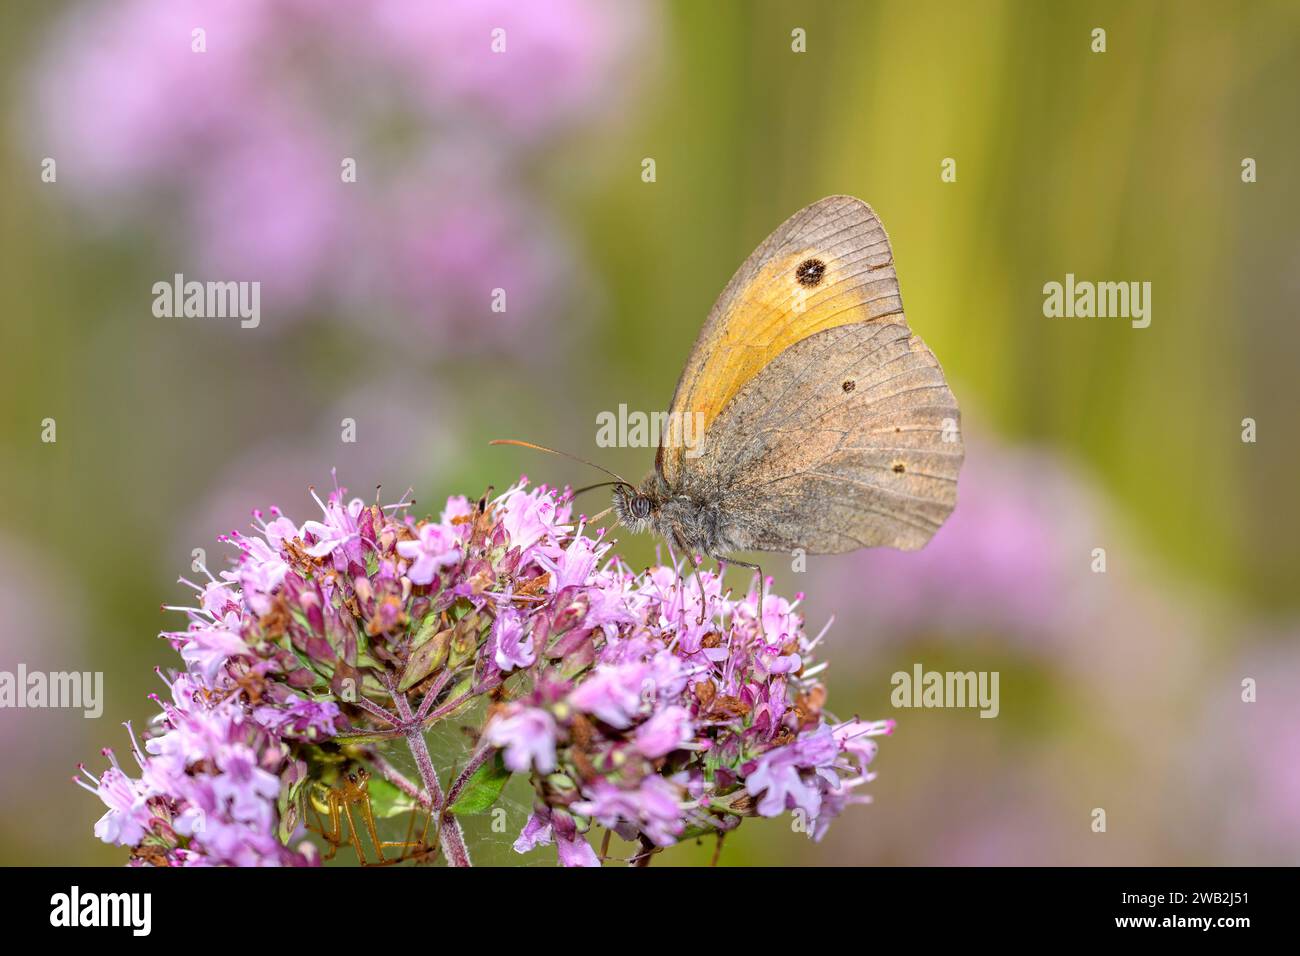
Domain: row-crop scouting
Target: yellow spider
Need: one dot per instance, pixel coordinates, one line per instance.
(354, 790)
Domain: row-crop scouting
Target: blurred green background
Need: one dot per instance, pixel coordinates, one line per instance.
(1122, 165)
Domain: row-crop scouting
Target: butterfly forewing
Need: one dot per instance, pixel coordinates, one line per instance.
(828, 426)
(826, 266)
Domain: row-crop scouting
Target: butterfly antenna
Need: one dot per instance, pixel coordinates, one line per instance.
(563, 454)
(599, 484)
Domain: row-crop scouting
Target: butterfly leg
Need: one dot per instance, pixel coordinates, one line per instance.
(699, 585)
(762, 580)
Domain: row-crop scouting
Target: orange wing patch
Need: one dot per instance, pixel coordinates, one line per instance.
(828, 265)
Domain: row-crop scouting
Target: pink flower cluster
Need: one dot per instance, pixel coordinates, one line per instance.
(210, 780)
(367, 160)
(653, 705)
(671, 710)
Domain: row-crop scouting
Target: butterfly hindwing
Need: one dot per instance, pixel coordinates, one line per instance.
(849, 439)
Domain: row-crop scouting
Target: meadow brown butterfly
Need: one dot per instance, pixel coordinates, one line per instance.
(821, 422)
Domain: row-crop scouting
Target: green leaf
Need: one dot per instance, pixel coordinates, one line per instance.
(387, 801)
(292, 806)
(483, 788)
(374, 737)
(458, 691)
(428, 654)
(465, 639)
(427, 628)
(307, 662)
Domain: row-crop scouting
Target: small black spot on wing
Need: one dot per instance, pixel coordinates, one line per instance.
(810, 273)
(849, 385)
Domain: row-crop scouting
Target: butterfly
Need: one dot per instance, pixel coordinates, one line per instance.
(808, 416)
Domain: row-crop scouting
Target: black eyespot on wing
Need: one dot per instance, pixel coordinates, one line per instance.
(849, 385)
(899, 467)
(810, 273)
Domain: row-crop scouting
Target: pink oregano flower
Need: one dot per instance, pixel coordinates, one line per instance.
(654, 706)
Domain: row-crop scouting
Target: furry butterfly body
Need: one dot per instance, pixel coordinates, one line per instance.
(827, 425)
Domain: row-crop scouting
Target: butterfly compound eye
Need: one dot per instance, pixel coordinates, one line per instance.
(810, 273)
(641, 506)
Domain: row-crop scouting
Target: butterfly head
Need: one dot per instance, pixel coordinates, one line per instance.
(638, 508)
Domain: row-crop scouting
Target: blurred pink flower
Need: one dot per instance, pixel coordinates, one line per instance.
(43, 632)
(558, 60)
(241, 148)
(1013, 562)
(1239, 780)
(398, 432)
